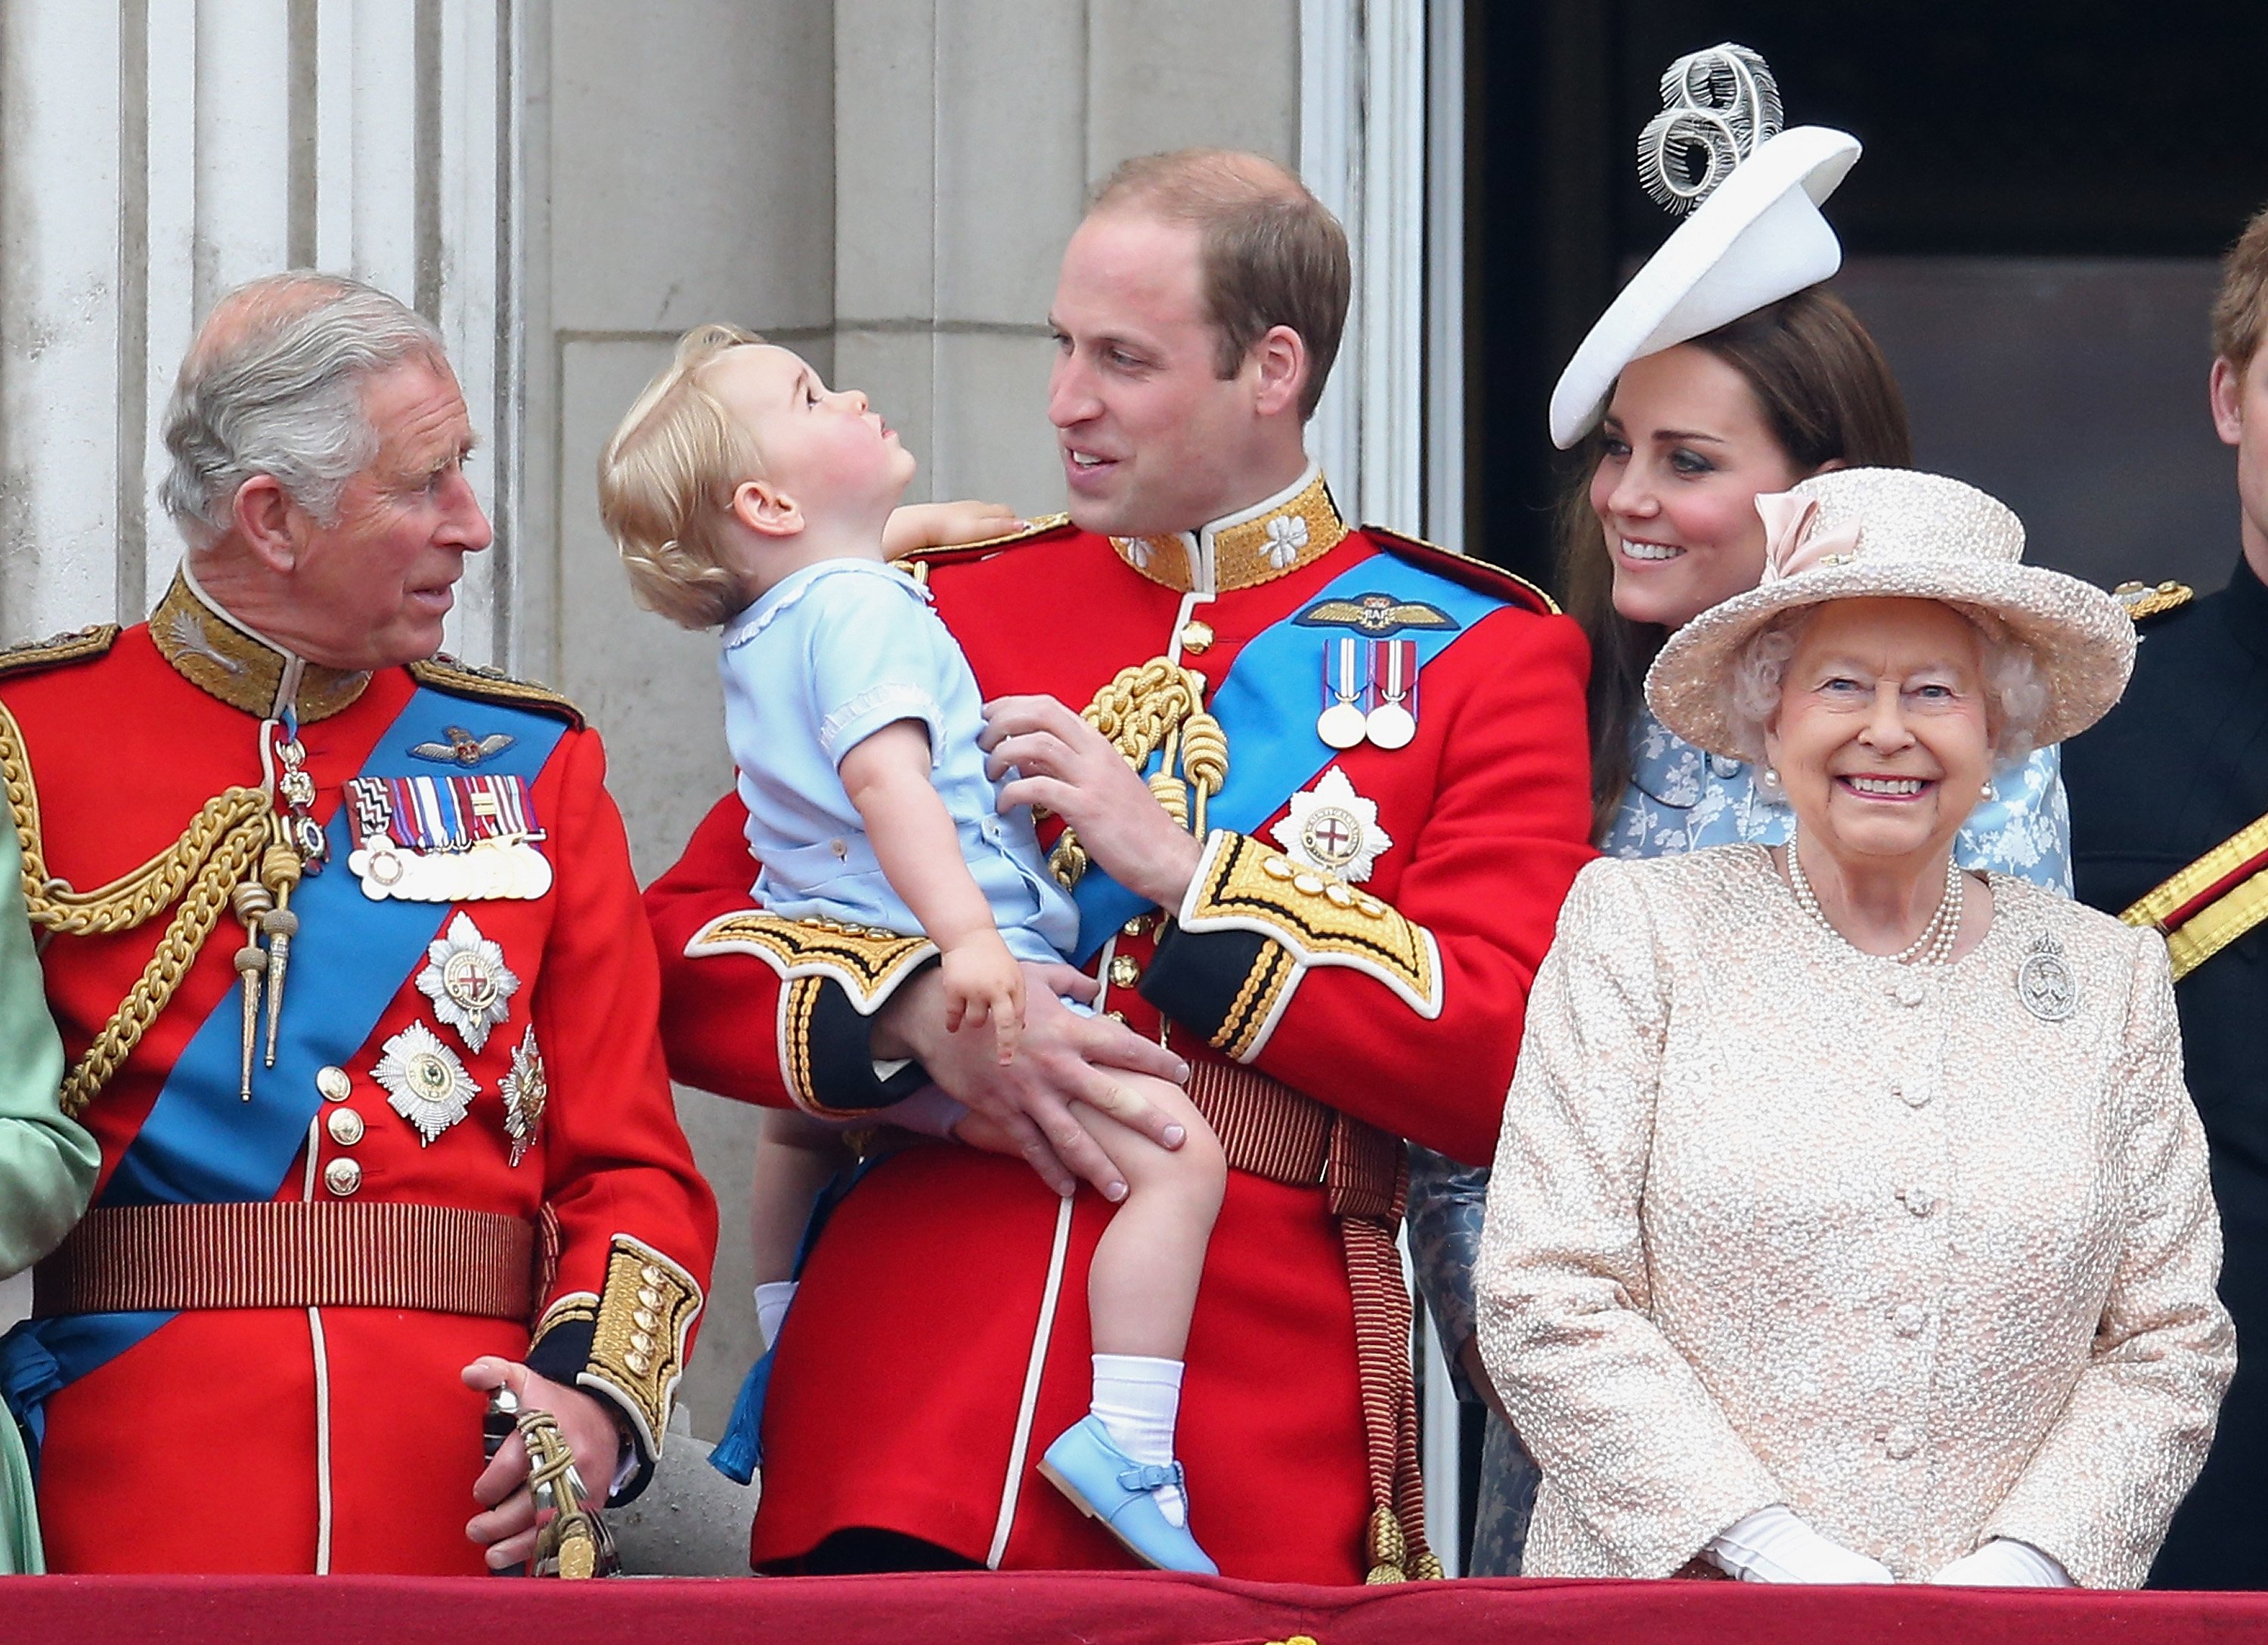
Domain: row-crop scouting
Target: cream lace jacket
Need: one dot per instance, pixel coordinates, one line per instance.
(1776, 1221)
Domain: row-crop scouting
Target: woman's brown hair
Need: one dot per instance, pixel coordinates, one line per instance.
(1826, 394)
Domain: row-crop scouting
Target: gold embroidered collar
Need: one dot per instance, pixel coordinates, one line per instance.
(1293, 528)
(219, 655)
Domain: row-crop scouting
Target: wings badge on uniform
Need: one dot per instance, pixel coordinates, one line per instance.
(463, 748)
(1375, 615)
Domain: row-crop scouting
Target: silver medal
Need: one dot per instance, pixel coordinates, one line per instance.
(1341, 726)
(1390, 726)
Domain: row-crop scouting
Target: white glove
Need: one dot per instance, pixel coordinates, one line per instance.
(2004, 1562)
(1773, 1544)
(772, 1298)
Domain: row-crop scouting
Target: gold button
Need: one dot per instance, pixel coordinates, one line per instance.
(1135, 927)
(1307, 884)
(648, 1297)
(334, 1084)
(1125, 973)
(1276, 869)
(342, 1177)
(1338, 895)
(642, 1342)
(644, 1320)
(1119, 1017)
(345, 1126)
(651, 1274)
(637, 1364)
(1370, 906)
(1196, 636)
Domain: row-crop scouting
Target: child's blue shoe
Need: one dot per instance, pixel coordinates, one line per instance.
(1107, 1485)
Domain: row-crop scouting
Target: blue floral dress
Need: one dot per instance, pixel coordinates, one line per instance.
(1679, 799)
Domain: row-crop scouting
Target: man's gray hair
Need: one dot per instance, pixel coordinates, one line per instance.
(274, 385)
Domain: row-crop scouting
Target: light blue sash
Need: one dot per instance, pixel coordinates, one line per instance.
(1268, 704)
(200, 1145)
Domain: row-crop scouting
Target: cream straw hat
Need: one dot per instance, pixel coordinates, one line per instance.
(1893, 533)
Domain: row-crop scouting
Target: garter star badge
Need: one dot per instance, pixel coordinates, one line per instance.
(424, 1082)
(525, 1092)
(467, 981)
(1333, 829)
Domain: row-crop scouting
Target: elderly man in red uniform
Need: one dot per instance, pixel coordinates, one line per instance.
(360, 1002)
(1319, 811)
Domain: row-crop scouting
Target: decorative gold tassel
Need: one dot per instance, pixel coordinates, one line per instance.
(1388, 1548)
(280, 869)
(252, 903)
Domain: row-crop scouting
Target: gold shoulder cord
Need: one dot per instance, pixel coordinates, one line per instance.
(220, 848)
(1158, 703)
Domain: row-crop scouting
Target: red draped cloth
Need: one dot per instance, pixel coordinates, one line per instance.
(1104, 1609)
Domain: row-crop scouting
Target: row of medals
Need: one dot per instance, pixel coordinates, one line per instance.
(465, 975)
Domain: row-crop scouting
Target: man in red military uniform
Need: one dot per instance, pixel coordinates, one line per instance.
(360, 1002)
(1325, 800)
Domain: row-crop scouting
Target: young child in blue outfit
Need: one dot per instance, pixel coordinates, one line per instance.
(743, 492)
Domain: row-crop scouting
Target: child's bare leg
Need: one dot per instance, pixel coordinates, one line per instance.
(1142, 1286)
(796, 1158)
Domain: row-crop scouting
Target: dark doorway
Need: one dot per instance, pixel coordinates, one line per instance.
(2031, 235)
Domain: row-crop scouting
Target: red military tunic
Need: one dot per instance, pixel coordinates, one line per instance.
(898, 1394)
(299, 1439)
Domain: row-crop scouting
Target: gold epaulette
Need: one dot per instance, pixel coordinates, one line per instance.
(444, 672)
(917, 561)
(58, 649)
(2143, 602)
(1489, 578)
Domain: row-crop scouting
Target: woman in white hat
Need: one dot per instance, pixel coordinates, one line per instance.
(1723, 371)
(1851, 1220)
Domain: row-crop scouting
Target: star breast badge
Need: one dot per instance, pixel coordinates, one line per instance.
(526, 1091)
(424, 1082)
(1333, 829)
(467, 981)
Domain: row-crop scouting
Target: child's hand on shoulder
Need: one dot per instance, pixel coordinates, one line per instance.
(919, 525)
(984, 983)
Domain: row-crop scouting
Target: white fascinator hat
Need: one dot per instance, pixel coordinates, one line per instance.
(1755, 236)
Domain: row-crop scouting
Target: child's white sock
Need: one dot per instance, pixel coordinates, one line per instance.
(772, 1298)
(1137, 1398)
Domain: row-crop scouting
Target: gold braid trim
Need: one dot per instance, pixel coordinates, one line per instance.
(1159, 704)
(217, 850)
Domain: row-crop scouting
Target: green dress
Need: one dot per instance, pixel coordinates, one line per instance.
(48, 1167)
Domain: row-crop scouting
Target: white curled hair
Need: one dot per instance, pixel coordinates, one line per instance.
(2016, 696)
(281, 395)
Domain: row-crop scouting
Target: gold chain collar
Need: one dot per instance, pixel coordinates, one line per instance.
(1244, 550)
(222, 658)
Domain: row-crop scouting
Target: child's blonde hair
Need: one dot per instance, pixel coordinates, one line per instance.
(665, 482)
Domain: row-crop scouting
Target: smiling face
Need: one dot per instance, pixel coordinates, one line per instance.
(1686, 452)
(824, 448)
(1881, 737)
(1153, 439)
(371, 591)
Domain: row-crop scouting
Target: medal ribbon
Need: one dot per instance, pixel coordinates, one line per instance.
(200, 1144)
(1265, 704)
(1346, 677)
(1394, 668)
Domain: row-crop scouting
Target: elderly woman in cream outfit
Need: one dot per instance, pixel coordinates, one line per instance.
(1863, 1230)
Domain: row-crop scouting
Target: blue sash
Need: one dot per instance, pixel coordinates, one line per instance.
(200, 1143)
(1268, 704)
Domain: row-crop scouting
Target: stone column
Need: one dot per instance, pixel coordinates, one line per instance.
(156, 152)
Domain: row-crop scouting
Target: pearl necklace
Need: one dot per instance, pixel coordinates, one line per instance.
(1933, 946)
